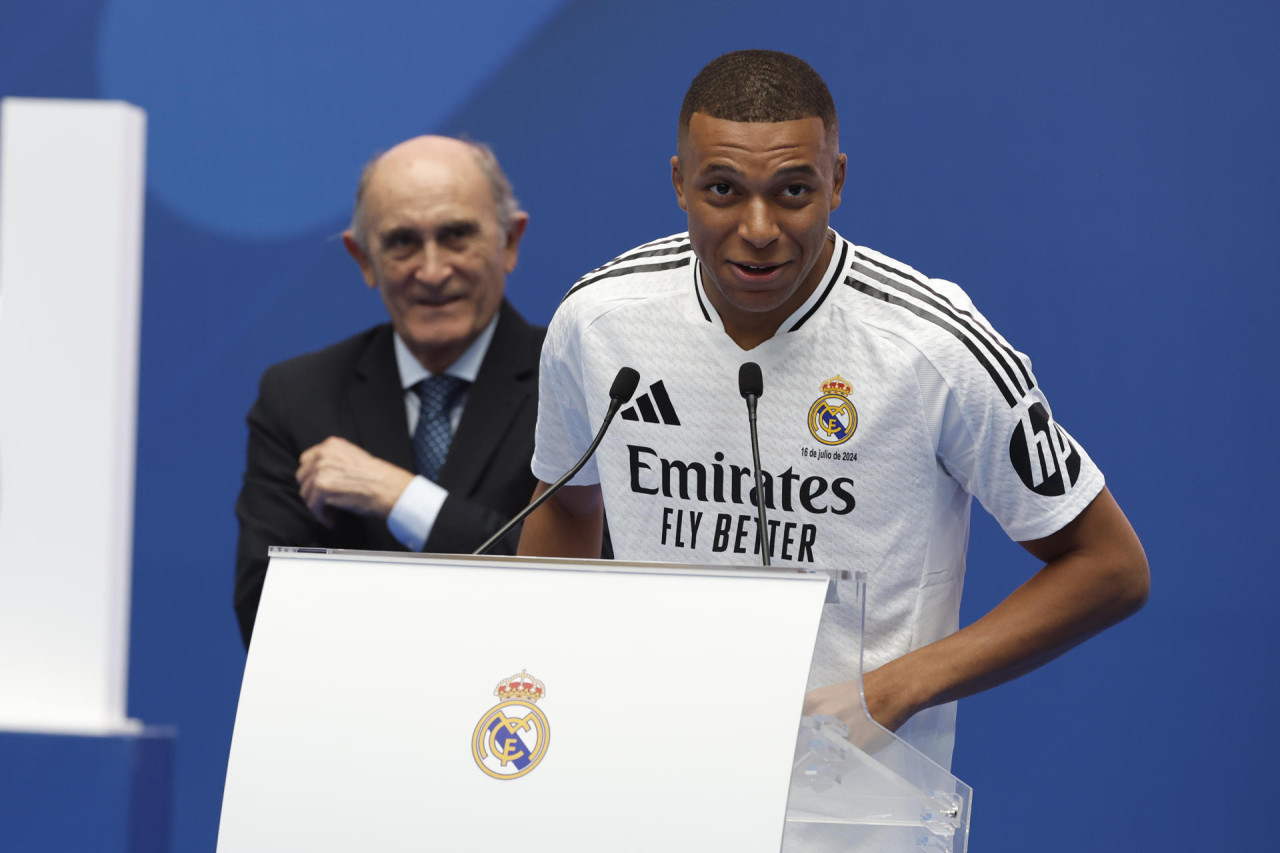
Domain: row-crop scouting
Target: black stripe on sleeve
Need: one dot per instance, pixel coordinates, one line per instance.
(675, 249)
(876, 293)
(669, 265)
(990, 332)
(992, 348)
(682, 238)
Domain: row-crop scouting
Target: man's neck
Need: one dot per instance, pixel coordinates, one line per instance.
(750, 329)
(465, 366)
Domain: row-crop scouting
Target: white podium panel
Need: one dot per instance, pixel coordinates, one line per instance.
(666, 708)
(71, 201)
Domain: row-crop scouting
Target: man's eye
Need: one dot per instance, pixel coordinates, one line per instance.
(795, 190)
(456, 235)
(719, 188)
(399, 240)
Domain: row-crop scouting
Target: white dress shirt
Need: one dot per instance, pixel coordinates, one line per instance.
(414, 514)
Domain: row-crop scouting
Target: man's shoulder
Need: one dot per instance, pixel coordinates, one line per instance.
(646, 270)
(937, 319)
(871, 262)
(868, 264)
(884, 291)
(514, 331)
(326, 362)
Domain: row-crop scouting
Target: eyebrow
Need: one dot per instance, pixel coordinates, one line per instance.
(725, 168)
(398, 231)
(464, 226)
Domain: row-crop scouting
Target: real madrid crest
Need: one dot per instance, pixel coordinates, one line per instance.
(832, 418)
(512, 736)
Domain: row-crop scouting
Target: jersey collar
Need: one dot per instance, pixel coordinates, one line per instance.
(798, 317)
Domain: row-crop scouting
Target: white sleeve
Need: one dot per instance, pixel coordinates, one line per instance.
(997, 436)
(564, 430)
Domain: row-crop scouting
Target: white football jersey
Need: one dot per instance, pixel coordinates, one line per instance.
(887, 401)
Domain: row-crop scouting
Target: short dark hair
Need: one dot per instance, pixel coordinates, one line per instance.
(759, 86)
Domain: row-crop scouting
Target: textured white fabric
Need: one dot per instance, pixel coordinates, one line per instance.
(939, 398)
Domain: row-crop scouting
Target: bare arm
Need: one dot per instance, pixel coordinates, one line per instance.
(569, 524)
(1095, 575)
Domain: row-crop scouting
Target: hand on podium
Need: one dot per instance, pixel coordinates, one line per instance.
(844, 702)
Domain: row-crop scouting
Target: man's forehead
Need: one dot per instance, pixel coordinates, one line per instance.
(801, 139)
(408, 170)
(706, 121)
(450, 186)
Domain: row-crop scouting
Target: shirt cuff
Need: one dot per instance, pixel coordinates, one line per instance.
(414, 514)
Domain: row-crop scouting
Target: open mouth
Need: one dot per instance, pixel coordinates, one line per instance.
(756, 272)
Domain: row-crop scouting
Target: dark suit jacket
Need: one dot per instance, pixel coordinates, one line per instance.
(352, 390)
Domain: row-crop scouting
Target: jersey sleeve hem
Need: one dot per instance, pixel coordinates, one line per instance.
(588, 476)
(1067, 511)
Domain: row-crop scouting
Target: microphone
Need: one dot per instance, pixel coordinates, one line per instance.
(751, 387)
(624, 385)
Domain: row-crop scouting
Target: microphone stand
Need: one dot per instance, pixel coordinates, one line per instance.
(751, 387)
(624, 385)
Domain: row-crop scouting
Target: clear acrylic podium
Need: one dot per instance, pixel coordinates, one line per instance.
(408, 702)
(866, 789)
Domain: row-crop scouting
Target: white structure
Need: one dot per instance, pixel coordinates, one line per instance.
(666, 711)
(71, 204)
(401, 702)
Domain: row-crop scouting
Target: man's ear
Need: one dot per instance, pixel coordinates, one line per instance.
(362, 258)
(837, 183)
(511, 252)
(677, 181)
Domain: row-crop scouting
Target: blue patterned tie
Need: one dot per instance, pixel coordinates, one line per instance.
(431, 438)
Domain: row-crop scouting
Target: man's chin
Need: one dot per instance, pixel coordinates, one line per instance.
(429, 323)
(431, 341)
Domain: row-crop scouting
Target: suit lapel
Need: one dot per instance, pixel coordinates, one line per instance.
(505, 384)
(377, 403)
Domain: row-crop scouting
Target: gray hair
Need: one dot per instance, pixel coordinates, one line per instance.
(504, 199)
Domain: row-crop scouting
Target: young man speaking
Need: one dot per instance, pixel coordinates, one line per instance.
(889, 401)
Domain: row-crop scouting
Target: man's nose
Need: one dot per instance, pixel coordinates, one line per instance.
(434, 267)
(758, 225)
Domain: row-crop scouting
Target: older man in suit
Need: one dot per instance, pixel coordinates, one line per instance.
(412, 435)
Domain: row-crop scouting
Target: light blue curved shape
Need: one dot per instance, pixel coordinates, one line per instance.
(261, 114)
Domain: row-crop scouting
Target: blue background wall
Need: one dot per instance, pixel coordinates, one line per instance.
(1101, 176)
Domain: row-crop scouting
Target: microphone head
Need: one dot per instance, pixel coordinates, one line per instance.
(624, 384)
(750, 382)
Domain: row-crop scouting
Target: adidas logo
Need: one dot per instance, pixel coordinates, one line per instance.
(653, 408)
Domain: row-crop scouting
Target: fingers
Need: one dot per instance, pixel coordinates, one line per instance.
(313, 494)
(332, 451)
(336, 474)
(844, 702)
(323, 476)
